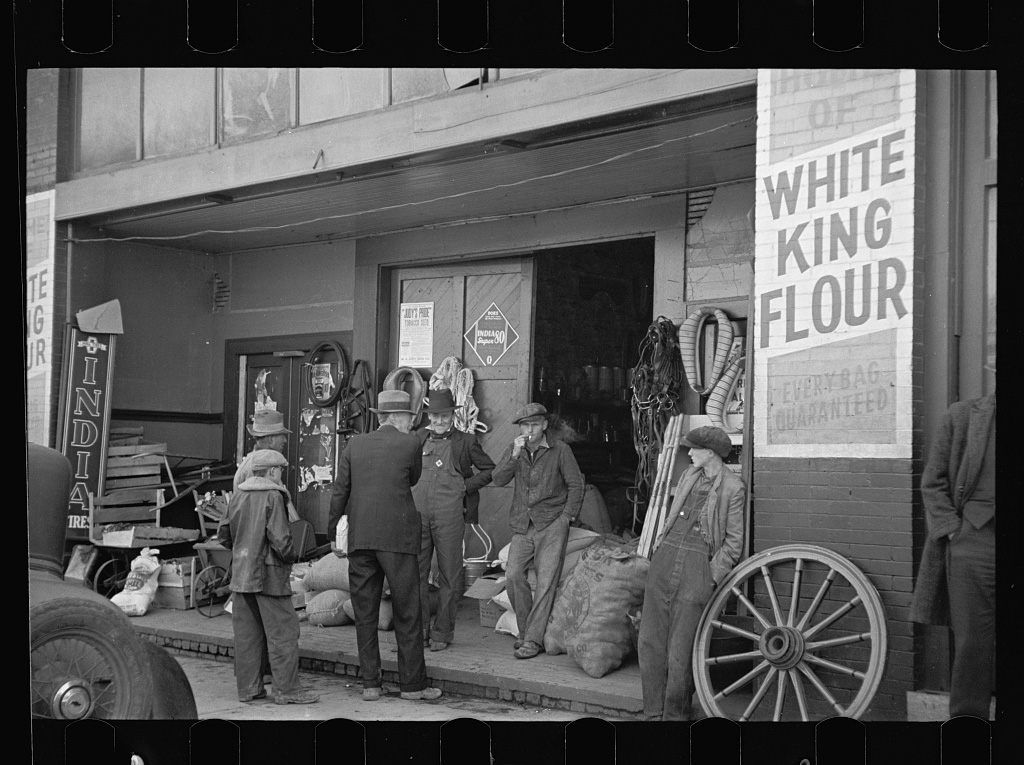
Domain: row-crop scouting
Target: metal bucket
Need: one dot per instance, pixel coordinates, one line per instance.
(473, 571)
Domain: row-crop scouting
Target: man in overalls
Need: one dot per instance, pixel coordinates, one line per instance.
(446, 498)
(700, 543)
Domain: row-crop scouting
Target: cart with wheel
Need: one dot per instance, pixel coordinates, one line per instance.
(210, 587)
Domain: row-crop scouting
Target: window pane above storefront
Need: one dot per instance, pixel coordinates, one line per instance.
(178, 110)
(109, 126)
(335, 92)
(408, 84)
(255, 102)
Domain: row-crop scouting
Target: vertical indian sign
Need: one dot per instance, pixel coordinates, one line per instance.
(39, 297)
(85, 419)
(834, 262)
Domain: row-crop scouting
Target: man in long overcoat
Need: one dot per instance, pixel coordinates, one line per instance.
(956, 581)
(376, 473)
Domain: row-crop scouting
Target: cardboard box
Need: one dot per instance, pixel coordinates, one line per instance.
(489, 613)
(486, 587)
(179, 598)
(124, 538)
(179, 572)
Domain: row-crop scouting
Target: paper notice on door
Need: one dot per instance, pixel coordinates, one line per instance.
(416, 335)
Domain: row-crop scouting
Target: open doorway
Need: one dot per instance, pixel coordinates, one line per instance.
(594, 304)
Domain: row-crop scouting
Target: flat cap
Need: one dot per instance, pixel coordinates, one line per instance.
(530, 410)
(709, 437)
(266, 458)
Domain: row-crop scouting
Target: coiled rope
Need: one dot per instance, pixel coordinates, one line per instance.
(657, 379)
(451, 375)
(689, 333)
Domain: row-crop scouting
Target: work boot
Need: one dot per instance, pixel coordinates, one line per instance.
(437, 645)
(255, 697)
(299, 697)
(528, 650)
(427, 694)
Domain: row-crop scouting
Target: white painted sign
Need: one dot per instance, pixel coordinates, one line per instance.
(416, 335)
(39, 303)
(834, 263)
(491, 336)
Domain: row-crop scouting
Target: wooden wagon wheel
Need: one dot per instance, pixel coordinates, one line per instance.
(210, 591)
(817, 634)
(111, 577)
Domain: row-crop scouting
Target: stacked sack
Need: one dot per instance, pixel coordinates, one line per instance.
(590, 618)
(328, 598)
(141, 585)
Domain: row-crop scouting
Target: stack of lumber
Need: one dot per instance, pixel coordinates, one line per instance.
(176, 577)
(131, 460)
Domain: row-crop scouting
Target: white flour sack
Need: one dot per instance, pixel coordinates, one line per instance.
(140, 589)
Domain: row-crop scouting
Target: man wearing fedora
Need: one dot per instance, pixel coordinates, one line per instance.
(270, 433)
(376, 473)
(548, 496)
(447, 499)
(700, 542)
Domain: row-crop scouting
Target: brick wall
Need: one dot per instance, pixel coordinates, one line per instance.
(863, 510)
(41, 129)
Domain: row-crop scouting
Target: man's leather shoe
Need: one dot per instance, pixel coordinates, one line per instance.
(437, 645)
(528, 650)
(246, 699)
(299, 697)
(427, 694)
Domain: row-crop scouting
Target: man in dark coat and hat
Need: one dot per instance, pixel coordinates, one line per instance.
(376, 473)
(447, 499)
(957, 578)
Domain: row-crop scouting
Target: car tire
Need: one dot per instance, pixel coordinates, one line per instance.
(86, 661)
(173, 698)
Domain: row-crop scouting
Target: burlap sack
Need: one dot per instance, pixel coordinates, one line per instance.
(385, 619)
(589, 620)
(328, 573)
(325, 609)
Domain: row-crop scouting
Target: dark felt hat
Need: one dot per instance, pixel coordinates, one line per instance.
(440, 401)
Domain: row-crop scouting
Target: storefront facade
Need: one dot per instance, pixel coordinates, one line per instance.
(845, 219)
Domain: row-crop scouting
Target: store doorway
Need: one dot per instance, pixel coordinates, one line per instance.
(593, 308)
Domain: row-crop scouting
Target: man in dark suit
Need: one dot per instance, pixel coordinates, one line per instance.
(376, 473)
(956, 583)
(447, 498)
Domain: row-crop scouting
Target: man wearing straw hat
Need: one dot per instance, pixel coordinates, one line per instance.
(376, 473)
(699, 543)
(447, 499)
(548, 496)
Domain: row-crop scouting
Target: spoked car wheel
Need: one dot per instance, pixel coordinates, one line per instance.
(210, 591)
(812, 644)
(87, 662)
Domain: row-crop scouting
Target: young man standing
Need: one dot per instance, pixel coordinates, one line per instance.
(548, 496)
(255, 529)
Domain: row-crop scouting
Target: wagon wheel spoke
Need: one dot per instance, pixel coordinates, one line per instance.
(820, 687)
(858, 638)
(798, 689)
(819, 596)
(780, 697)
(750, 607)
(735, 630)
(833, 666)
(771, 594)
(713, 660)
(759, 695)
(743, 680)
(838, 614)
(794, 602)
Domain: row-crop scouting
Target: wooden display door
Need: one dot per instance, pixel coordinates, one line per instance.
(272, 382)
(481, 313)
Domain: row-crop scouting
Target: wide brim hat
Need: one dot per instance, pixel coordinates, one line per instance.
(392, 401)
(440, 402)
(528, 411)
(267, 422)
(709, 437)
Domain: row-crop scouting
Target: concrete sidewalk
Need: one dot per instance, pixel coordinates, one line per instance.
(478, 664)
